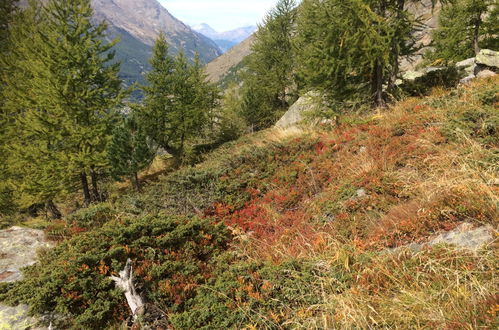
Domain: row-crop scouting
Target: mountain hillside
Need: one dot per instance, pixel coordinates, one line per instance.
(138, 22)
(328, 228)
(227, 63)
(228, 39)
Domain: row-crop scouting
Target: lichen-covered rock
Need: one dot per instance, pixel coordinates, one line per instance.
(466, 80)
(421, 81)
(18, 248)
(468, 66)
(485, 74)
(413, 75)
(295, 115)
(17, 318)
(467, 237)
(488, 58)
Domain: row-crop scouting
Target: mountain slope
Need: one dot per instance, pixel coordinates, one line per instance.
(137, 23)
(228, 39)
(144, 19)
(314, 216)
(222, 66)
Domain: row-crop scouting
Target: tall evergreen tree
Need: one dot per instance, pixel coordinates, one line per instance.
(343, 45)
(269, 86)
(7, 16)
(465, 27)
(177, 101)
(64, 92)
(129, 151)
(350, 50)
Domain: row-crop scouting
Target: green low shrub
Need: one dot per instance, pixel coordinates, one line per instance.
(171, 257)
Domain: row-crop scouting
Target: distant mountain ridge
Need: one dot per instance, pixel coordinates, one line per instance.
(228, 39)
(138, 23)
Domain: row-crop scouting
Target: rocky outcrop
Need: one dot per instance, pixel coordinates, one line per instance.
(488, 58)
(465, 236)
(296, 113)
(17, 318)
(18, 248)
(484, 65)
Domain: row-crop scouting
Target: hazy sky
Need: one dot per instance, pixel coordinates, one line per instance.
(222, 15)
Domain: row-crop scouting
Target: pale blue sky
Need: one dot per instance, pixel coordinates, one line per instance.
(222, 15)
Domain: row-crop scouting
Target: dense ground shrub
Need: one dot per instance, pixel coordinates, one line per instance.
(171, 256)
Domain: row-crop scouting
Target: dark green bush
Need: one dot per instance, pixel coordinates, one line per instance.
(253, 295)
(171, 257)
(93, 216)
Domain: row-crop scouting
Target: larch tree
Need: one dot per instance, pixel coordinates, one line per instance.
(177, 100)
(269, 87)
(130, 151)
(465, 27)
(351, 50)
(64, 92)
(7, 17)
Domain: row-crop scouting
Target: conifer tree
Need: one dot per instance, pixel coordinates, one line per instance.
(177, 101)
(269, 83)
(129, 151)
(7, 16)
(64, 92)
(343, 45)
(465, 27)
(350, 50)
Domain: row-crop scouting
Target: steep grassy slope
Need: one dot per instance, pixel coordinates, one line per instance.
(311, 214)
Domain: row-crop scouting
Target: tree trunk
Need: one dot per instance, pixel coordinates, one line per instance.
(95, 187)
(476, 34)
(86, 191)
(54, 211)
(136, 182)
(126, 283)
(395, 49)
(377, 85)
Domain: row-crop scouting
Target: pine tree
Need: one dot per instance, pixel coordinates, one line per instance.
(129, 151)
(269, 83)
(177, 101)
(465, 27)
(64, 93)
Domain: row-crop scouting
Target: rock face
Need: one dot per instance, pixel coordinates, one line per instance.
(484, 65)
(295, 114)
(488, 58)
(18, 248)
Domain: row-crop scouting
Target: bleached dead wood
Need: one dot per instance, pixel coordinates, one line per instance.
(125, 282)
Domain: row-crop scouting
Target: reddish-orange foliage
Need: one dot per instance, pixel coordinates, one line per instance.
(308, 176)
